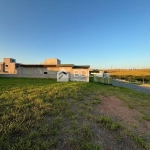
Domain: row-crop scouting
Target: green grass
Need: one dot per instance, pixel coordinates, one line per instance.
(146, 117)
(39, 113)
(108, 122)
(130, 106)
(138, 139)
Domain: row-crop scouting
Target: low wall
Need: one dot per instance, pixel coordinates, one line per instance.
(101, 80)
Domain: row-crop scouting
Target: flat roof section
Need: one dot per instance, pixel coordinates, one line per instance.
(59, 65)
(34, 65)
(82, 66)
(65, 65)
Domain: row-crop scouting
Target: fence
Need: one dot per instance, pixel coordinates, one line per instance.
(102, 80)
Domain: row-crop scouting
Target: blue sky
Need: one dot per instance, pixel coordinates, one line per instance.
(100, 33)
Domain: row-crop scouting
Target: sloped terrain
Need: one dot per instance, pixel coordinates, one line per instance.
(44, 114)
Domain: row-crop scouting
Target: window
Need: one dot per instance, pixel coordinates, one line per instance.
(6, 65)
(17, 66)
(12, 60)
(45, 72)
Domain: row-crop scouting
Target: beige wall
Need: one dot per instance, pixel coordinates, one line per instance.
(71, 70)
(51, 61)
(1, 67)
(10, 66)
(80, 73)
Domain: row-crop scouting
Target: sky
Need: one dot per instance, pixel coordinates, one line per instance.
(104, 34)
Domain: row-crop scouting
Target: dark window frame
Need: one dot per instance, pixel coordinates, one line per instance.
(17, 66)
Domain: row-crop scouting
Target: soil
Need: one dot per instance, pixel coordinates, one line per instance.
(129, 118)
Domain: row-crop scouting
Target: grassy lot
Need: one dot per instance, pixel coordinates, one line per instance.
(44, 114)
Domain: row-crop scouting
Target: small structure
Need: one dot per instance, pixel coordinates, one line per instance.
(99, 73)
(100, 76)
(52, 61)
(8, 66)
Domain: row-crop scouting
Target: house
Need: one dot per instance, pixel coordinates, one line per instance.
(48, 69)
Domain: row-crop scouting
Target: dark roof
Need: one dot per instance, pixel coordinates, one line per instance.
(59, 65)
(82, 66)
(95, 71)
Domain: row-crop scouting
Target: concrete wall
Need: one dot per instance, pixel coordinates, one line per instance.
(39, 72)
(32, 73)
(51, 72)
(75, 74)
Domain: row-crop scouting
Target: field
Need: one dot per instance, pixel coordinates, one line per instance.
(44, 114)
(139, 76)
(123, 72)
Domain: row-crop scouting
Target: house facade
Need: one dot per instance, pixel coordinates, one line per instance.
(48, 69)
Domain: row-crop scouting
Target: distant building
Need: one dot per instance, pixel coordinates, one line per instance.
(99, 73)
(8, 66)
(48, 69)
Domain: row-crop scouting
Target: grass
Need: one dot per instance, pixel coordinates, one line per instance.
(146, 117)
(130, 106)
(108, 122)
(139, 140)
(45, 114)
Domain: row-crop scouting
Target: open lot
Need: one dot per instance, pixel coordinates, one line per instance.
(44, 114)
